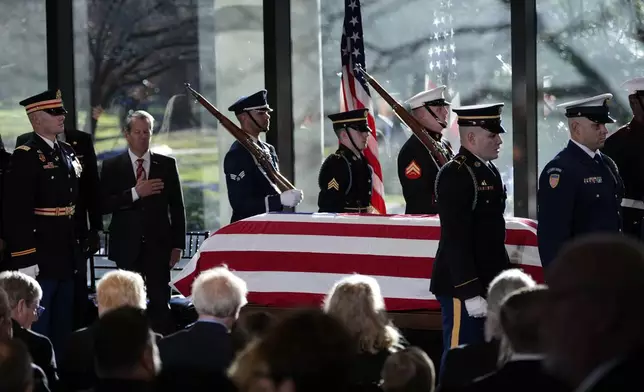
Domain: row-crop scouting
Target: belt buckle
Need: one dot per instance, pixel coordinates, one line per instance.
(58, 211)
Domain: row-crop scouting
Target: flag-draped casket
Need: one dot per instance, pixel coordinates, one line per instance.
(293, 260)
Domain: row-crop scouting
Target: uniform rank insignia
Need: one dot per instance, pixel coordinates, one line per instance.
(553, 180)
(41, 156)
(25, 148)
(477, 164)
(412, 171)
(333, 184)
(238, 177)
(485, 187)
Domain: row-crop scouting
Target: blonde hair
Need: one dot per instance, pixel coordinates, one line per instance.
(503, 284)
(357, 303)
(120, 288)
(218, 292)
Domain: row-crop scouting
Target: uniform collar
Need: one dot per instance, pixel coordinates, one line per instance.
(50, 143)
(585, 149)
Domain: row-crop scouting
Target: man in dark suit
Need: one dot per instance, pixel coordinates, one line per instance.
(143, 193)
(88, 217)
(250, 192)
(471, 202)
(41, 191)
(416, 168)
(580, 190)
(207, 346)
(24, 294)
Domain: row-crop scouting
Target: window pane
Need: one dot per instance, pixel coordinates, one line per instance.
(585, 48)
(139, 55)
(23, 63)
(410, 46)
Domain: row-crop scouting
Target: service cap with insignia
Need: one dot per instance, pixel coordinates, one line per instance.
(433, 97)
(256, 101)
(594, 108)
(49, 101)
(634, 86)
(487, 116)
(356, 119)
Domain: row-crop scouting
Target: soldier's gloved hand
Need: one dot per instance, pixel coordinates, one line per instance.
(291, 198)
(476, 306)
(32, 271)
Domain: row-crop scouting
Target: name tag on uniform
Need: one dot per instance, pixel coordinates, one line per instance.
(593, 180)
(485, 187)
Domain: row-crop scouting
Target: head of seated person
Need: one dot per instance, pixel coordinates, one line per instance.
(120, 288)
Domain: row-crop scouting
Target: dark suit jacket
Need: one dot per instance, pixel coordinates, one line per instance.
(626, 375)
(203, 346)
(40, 349)
(87, 205)
(41, 384)
(523, 375)
(159, 219)
(467, 362)
(77, 368)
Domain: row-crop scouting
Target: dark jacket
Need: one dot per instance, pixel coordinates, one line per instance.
(471, 251)
(40, 349)
(250, 192)
(465, 363)
(345, 183)
(159, 220)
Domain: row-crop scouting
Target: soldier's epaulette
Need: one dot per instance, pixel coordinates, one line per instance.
(65, 143)
(23, 147)
(459, 160)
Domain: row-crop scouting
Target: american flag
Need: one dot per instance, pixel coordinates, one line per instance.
(355, 92)
(293, 260)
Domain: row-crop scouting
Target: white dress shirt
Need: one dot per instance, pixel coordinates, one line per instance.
(586, 149)
(50, 143)
(135, 165)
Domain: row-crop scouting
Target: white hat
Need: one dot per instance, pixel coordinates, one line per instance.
(593, 108)
(433, 97)
(634, 85)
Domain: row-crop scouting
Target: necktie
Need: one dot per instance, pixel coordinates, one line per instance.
(140, 170)
(597, 158)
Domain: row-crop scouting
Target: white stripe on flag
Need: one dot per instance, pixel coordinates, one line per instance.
(321, 283)
(332, 218)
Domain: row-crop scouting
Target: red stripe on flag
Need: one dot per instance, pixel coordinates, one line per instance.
(299, 300)
(331, 263)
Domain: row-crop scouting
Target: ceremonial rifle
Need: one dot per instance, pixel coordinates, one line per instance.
(265, 160)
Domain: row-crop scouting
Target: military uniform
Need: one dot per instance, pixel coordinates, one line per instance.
(579, 190)
(250, 191)
(416, 168)
(345, 178)
(625, 147)
(471, 251)
(5, 159)
(39, 206)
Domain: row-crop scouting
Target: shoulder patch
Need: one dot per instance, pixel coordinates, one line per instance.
(413, 171)
(23, 147)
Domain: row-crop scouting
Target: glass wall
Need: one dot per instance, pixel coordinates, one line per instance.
(585, 48)
(23, 63)
(137, 54)
(410, 46)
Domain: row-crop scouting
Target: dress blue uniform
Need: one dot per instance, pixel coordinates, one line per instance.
(471, 251)
(250, 191)
(580, 190)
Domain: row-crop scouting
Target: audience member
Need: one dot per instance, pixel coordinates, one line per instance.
(115, 289)
(306, 351)
(593, 333)
(409, 370)
(250, 326)
(465, 363)
(24, 295)
(16, 374)
(125, 351)
(357, 303)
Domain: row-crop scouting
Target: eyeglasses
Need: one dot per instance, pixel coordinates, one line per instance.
(39, 311)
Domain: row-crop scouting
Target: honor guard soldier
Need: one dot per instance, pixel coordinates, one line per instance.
(345, 176)
(39, 205)
(5, 159)
(580, 190)
(471, 201)
(416, 168)
(250, 192)
(625, 147)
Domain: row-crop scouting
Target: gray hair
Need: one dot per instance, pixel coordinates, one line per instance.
(20, 286)
(218, 292)
(505, 283)
(140, 114)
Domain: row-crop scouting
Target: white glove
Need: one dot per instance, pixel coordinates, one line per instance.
(291, 198)
(30, 271)
(476, 306)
